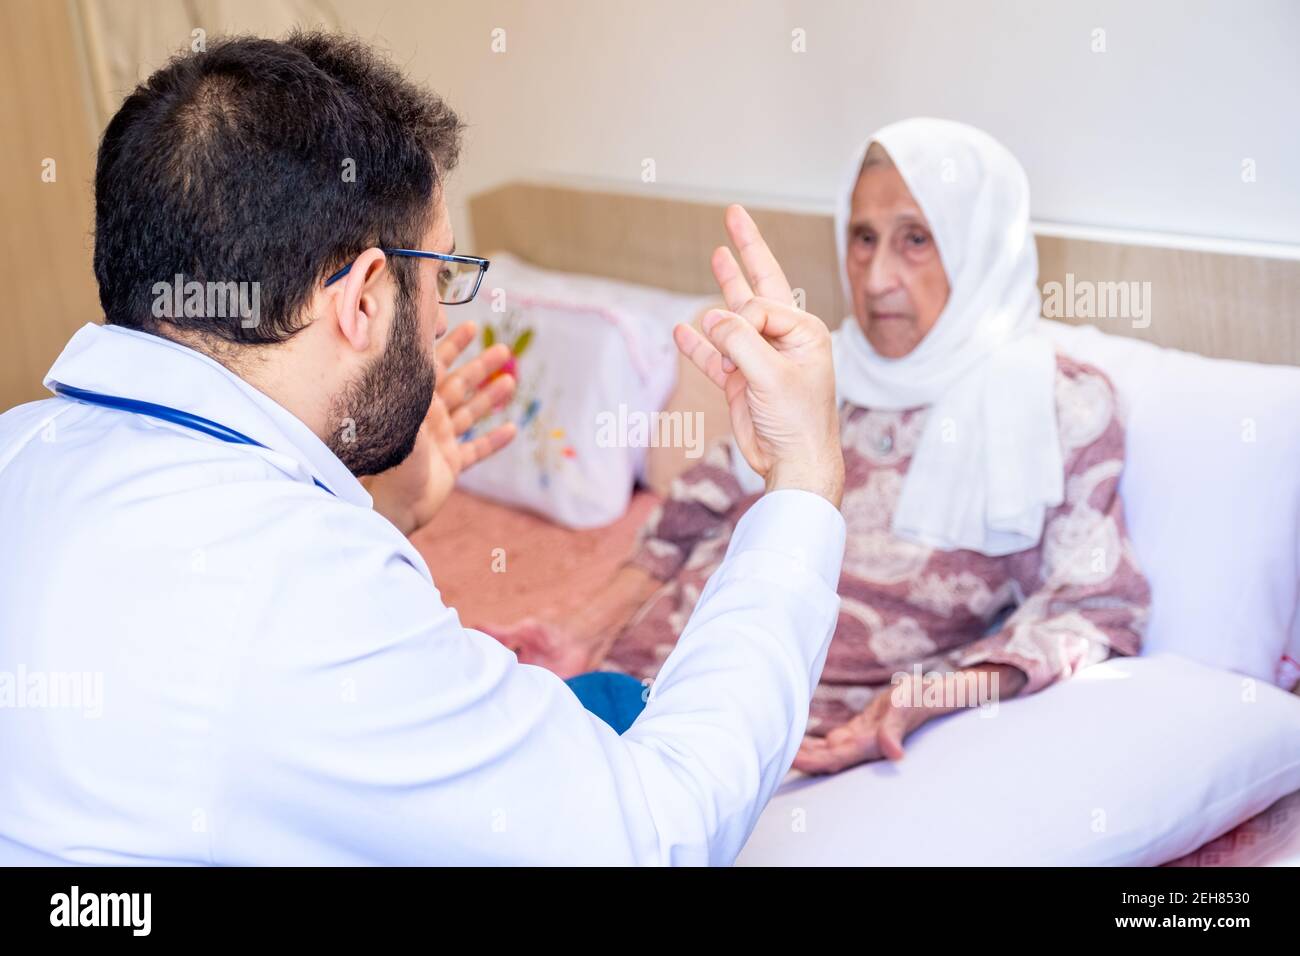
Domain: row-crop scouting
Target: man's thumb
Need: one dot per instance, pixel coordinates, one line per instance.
(736, 339)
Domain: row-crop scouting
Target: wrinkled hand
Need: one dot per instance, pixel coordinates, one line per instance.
(773, 363)
(876, 733)
(410, 494)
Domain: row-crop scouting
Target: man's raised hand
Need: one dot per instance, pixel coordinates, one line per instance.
(773, 363)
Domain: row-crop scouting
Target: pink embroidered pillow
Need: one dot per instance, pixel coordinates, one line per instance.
(595, 362)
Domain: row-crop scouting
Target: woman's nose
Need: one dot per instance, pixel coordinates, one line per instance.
(882, 273)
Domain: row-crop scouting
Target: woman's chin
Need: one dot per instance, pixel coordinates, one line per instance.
(891, 343)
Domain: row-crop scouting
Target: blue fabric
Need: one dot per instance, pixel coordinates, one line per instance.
(616, 699)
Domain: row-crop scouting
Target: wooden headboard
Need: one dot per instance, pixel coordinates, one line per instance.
(1240, 305)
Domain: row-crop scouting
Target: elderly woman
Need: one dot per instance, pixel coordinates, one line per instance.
(987, 554)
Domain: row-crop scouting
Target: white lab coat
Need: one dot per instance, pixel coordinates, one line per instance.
(282, 684)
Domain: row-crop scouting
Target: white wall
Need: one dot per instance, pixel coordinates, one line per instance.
(1150, 134)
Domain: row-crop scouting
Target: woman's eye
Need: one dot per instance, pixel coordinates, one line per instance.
(445, 275)
(917, 239)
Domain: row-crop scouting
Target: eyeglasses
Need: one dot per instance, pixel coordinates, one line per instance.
(458, 277)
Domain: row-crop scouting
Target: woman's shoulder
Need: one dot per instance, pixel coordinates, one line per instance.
(1087, 408)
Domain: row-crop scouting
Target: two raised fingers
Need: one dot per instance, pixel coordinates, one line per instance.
(761, 276)
(758, 295)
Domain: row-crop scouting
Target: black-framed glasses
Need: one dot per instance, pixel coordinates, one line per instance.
(458, 277)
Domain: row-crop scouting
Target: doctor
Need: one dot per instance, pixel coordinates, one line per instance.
(276, 680)
(185, 531)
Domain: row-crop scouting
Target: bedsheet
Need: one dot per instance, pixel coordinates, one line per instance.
(546, 565)
(471, 539)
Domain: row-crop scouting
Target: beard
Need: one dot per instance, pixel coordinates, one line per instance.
(375, 421)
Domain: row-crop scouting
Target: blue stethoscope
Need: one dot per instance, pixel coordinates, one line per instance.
(167, 414)
(615, 698)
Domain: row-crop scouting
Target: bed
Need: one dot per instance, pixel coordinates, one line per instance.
(550, 562)
(665, 242)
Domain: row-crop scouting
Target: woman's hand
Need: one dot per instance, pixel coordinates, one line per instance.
(878, 732)
(410, 494)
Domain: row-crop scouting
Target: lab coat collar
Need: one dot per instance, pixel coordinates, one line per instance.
(131, 364)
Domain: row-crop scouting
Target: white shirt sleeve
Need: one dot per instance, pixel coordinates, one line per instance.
(368, 726)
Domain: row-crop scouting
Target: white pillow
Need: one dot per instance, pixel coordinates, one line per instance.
(1211, 491)
(1134, 761)
(596, 361)
(1289, 672)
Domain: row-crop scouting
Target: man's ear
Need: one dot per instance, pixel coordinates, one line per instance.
(358, 298)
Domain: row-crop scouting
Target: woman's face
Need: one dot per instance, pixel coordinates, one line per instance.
(898, 284)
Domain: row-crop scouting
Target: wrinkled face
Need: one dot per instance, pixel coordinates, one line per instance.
(897, 281)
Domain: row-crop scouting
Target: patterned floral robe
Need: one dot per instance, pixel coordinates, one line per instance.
(1074, 599)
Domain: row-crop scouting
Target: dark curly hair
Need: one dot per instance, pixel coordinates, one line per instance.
(228, 165)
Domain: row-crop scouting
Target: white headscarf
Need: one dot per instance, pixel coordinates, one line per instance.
(988, 465)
